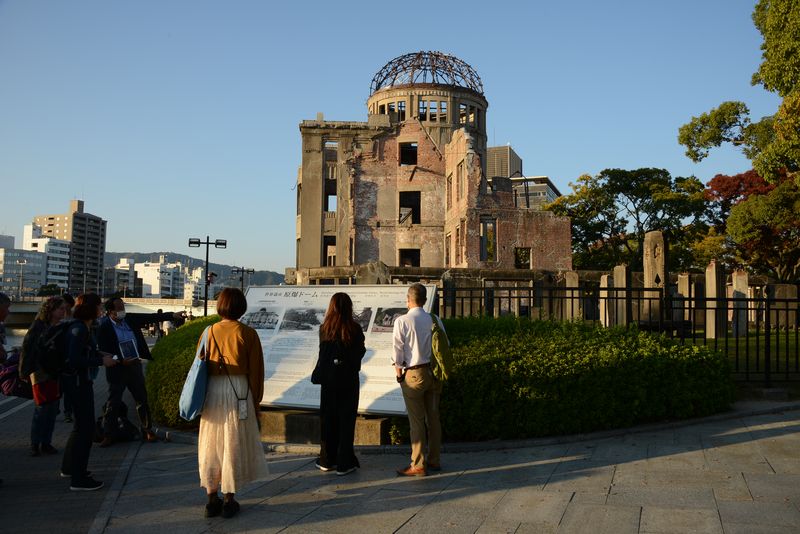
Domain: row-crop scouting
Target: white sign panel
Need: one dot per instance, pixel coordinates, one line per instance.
(287, 319)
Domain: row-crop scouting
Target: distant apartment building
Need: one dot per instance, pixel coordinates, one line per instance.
(121, 279)
(161, 279)
(57, 251)
(86, 234)
(22, 272)
(502, 161)
(533, 192)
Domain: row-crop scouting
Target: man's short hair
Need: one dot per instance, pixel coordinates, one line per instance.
(111, 304)
(418, 294)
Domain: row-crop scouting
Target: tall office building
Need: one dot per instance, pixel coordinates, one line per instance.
(502, 161)
(87, 236)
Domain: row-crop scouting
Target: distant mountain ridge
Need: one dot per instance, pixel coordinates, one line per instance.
(258, 278)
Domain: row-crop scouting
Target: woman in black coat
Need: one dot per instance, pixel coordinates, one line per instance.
(341, 348)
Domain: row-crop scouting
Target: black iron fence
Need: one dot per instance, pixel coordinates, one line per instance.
(760, 334)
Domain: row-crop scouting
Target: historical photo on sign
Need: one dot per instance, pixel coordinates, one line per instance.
(363, 317)
(262, 318)
(302, 319)
(385, 317)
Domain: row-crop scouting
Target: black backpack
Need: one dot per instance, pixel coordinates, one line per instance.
(52, 349)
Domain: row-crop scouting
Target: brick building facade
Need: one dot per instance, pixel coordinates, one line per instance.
(408, 187)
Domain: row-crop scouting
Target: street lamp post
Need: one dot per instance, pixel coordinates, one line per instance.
(218, 243)
(241, 271)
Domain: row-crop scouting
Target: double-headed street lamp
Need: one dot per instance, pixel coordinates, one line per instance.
(241, 271)
(218, 243)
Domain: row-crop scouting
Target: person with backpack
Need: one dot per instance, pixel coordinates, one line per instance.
(43, 375)
(411, 339)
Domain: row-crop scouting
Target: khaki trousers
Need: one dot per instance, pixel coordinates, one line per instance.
(422, 404)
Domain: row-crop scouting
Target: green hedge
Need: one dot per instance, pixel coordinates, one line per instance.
(518, 378)
(166, 373)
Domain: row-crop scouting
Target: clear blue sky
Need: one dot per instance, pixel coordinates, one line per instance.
(179, 118)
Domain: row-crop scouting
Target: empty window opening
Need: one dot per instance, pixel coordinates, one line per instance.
(522, 258)
(409, 257)
(432, 115)
(471, 116)
(382, 109)
(460, 181)
(443, 111)
(458, 245)
(409, 206)
(447, 241)
(408, 153)
(448, 200)
(401, 110)
(330, 195)
(462, 113)
(423, 110)
(329, 250)
(488, 239)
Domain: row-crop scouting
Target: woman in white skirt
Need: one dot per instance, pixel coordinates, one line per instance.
(229, 448)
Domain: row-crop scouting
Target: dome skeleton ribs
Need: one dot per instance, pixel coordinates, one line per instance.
(426, 67)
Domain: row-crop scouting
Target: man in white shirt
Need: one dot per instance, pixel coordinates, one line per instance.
(412, 363)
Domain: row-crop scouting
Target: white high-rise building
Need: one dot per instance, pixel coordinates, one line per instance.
(161, 279)
(57, 251)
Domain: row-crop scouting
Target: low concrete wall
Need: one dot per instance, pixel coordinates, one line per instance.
(298, 426)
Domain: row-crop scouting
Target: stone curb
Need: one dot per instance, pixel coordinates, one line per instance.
(740, 409)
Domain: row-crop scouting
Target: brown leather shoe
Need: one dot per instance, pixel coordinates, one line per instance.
(150, 436)
(107, 442)
(412, 472)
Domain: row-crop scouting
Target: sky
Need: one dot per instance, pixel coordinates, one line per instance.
(174, 119)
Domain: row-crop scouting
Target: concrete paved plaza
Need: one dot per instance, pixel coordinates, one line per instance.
(734, 473)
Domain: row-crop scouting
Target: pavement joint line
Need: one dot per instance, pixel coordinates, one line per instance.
(112, 496)
(498, 444)
(15, 409)
(8, 399)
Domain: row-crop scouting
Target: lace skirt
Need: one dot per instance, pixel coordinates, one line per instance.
(229, 450)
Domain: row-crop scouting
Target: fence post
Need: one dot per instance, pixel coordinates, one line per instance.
(767, 338)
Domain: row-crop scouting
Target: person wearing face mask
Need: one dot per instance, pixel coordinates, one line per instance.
(120, 333)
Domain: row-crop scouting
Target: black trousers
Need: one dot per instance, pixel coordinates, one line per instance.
(79, 444)
(338, 408)
(119, 378)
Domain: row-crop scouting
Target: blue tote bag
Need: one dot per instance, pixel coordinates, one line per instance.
(193, 395)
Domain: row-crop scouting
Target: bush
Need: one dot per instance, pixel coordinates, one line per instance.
(516, 378)
(166, 373)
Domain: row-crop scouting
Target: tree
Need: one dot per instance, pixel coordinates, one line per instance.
(772, 143)
(612, 211)
(766, 230)
(723, 192)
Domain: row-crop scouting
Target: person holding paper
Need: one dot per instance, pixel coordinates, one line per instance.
(120, 334)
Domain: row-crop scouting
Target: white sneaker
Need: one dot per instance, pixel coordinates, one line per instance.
(346, 471)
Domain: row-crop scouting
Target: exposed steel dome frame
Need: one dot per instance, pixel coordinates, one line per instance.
(426, 68)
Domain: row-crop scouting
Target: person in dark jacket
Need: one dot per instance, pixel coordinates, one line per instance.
(341, 348)
(82, 358)
(121, 334)
(50, 314)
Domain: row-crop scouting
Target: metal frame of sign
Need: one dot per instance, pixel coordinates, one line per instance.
(287, 319)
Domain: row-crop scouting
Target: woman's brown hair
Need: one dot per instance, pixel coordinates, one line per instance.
(231, 303)
(86, 306)
(339, 324)
(48, 307)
